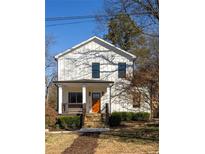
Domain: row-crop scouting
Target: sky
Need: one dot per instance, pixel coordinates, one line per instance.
(68, 35)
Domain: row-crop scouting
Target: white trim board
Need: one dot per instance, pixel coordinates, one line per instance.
(89, 40)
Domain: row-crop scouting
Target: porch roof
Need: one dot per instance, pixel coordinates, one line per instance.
(83, 81)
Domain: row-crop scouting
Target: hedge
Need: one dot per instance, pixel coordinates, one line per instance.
(141, 116)
(128, 116)
(115, 119)
(69, 122)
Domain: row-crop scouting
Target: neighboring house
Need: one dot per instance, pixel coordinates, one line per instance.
(91, 76)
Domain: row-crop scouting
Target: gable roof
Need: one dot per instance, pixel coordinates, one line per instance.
(89, 40)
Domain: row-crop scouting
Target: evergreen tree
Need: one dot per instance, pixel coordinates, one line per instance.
(123, 32)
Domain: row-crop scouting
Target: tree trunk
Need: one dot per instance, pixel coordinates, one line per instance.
(47, 94)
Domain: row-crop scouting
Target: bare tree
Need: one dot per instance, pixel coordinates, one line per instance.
(144, 82)
(49, 41)
(145, 13)
(50, 65)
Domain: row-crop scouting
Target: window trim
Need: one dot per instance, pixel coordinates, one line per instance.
(94, 70)
(124, 71)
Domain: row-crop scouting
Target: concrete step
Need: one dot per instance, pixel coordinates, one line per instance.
(94, 125)
(93, 130)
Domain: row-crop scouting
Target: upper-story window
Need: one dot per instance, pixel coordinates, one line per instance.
(121, 70)
(95, 70)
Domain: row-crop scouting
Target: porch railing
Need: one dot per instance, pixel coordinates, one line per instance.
(72, 108)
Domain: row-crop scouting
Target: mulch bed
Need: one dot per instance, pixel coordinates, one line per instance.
(84, 144)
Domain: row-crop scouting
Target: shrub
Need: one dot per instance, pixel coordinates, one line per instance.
(69, 122)
(140, 116)
(129, 116)
(125, 116)
(50, 116)
(115, 119)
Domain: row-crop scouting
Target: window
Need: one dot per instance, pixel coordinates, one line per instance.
(96, 95)
(95, 70)
(74, 97)
(121, 70)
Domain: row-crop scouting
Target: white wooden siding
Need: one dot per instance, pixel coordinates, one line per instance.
(77, 64)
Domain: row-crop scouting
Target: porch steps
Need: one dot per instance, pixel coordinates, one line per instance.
(94, 120)
(93, 130)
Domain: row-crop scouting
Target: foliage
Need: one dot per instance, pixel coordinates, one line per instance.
(121, 139)
(141, 116)
(50, 116)
(126, 116)
(147, 77)
(52, 96)
(129, 116)
(69, 122)
(115, 119)
(122, 31)
(134, 26)
(135, 116)
(144, 13)
(123, 116)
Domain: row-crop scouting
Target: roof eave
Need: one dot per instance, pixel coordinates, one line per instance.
(88, 40)
(74, 47)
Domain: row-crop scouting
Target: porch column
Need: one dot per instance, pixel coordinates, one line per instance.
(60, 99)
(84, 98)
(109, 97)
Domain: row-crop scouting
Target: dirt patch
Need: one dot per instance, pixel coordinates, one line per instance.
(86, 143)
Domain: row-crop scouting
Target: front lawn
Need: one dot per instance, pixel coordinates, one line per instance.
(130, 137)
(57, 143)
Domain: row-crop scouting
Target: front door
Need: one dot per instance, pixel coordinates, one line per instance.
(96, 102)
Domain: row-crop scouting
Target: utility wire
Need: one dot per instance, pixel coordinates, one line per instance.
(86, 17)
(69, 23)
(73, 17)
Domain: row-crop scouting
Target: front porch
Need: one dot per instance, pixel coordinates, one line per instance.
(89, 98)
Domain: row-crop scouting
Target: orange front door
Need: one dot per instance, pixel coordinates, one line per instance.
(96, 102)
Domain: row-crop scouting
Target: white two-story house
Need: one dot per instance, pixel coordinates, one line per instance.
(88, 78)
